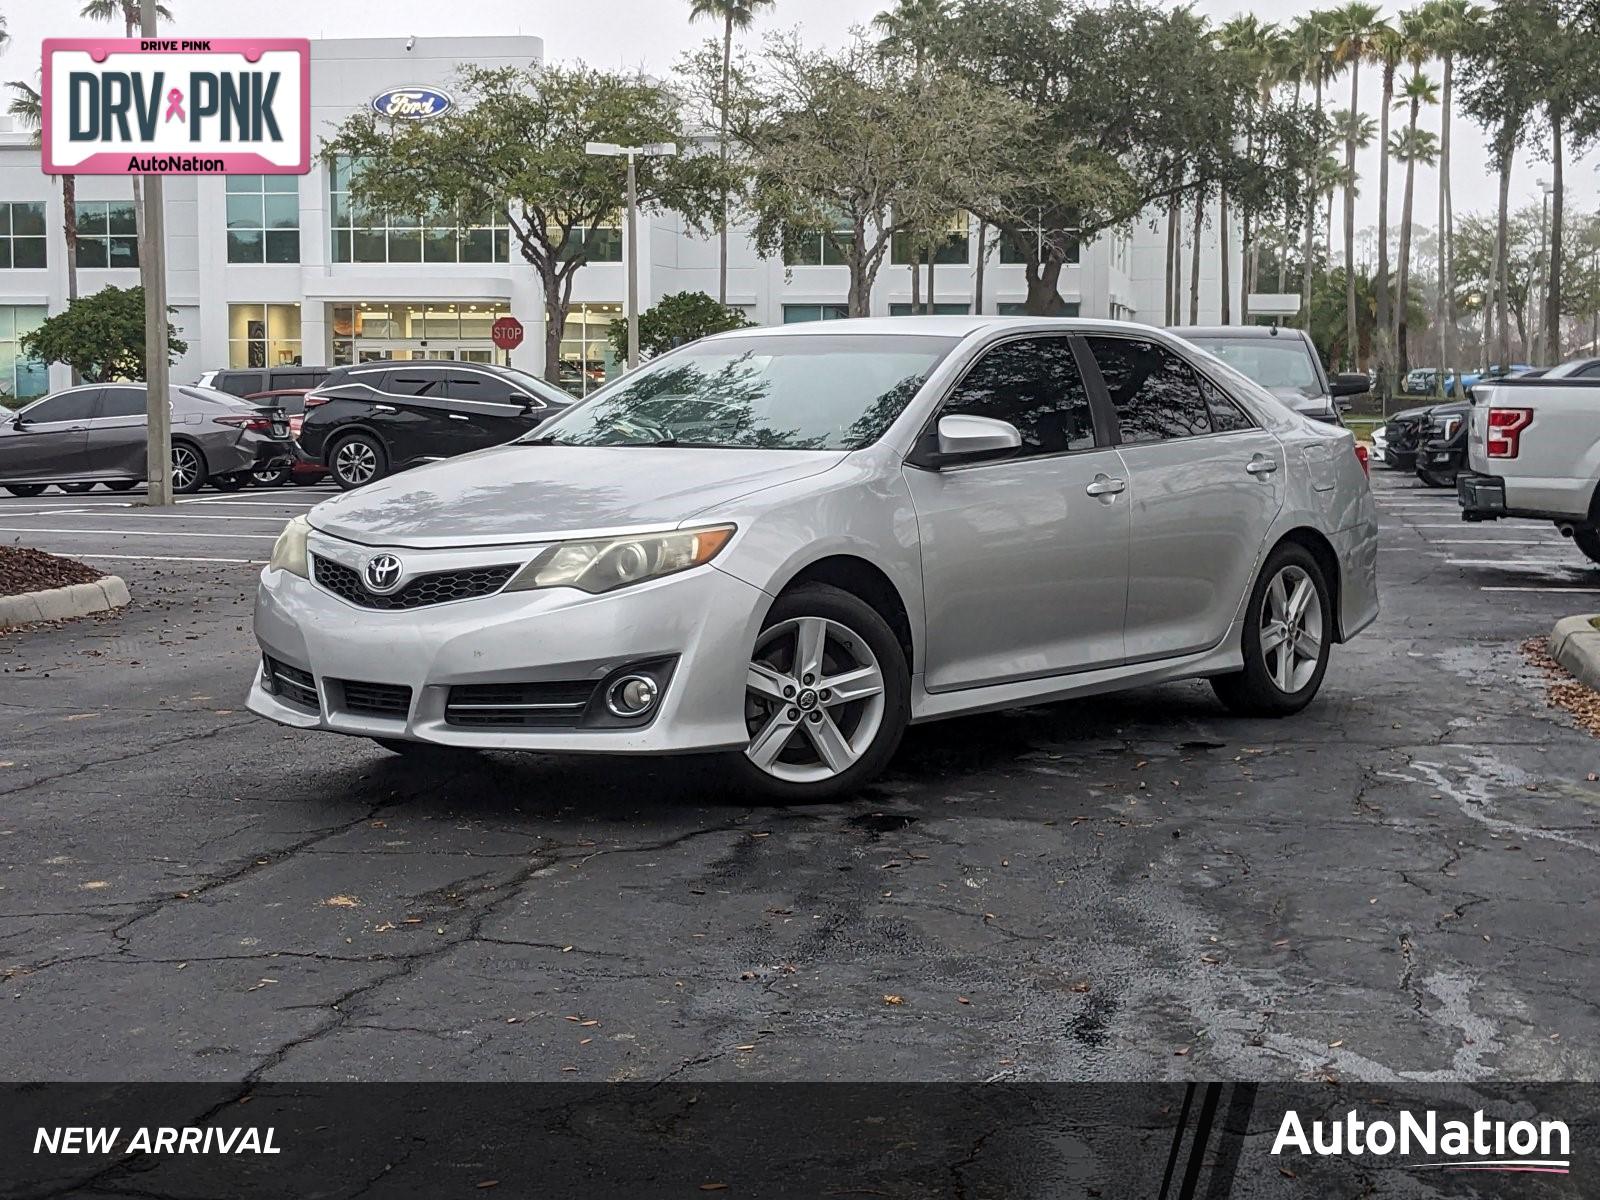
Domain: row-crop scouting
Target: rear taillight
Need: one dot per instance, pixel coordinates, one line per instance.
(1505, 430)
(315, 401)
(1361, 457)
(254, 424)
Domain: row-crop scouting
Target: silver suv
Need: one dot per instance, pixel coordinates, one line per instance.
(787, 544)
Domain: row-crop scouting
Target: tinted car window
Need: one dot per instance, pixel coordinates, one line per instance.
(1156, 394)
(293, 379)
(1034, 384)
(73, 406)
(1226, 416)
(122, 402)
(240, 383)
(479, 385)
(411, 381)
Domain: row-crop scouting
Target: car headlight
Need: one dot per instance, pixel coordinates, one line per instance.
(289, 551)
(610, 563)
(1449, 427)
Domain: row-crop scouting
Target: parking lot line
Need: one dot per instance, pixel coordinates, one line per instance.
(1491, 542)
(166, 558)
(1552, 590)
(1517, 562)
(250, 537)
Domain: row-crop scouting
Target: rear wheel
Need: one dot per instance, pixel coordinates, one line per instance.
(827, 697)
(270, 479)
(1587, 540)
(25, 489)
(188, 468)
(75, 489)
(1288, 634)
(122, 485)
(357, 460)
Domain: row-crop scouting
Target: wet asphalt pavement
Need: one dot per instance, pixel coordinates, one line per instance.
(1399, 884)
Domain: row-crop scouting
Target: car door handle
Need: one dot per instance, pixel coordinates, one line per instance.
(1261, 465)
(1104, 485)
(384, 408)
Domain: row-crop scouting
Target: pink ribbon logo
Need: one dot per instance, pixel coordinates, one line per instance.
(175, 105)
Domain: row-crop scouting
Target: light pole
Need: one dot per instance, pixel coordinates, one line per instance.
(612, 150)
(153, 274)
(1543, 339)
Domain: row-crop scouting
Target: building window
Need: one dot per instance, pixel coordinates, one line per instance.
(587, 359)
(21, 378)
(22, 237)
(1011, 253)
(371, 329)
(363, 235)
(830, 248)
(954, 249)
(939, 310)
(795, 314)
(263, 219)
(264, 335)
(107, 234)
(1017, 308)
(601, 243)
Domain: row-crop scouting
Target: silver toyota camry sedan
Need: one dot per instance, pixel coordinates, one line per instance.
(784, 545)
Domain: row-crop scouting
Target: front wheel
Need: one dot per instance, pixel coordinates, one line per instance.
(1288, 633)
(1437, 479)
(76, 489)
(357, 460)
(25, 489)
(827, 697)
(188, 468)
(122, 485)
(270, 479)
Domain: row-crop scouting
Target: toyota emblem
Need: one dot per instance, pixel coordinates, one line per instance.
(383, 573)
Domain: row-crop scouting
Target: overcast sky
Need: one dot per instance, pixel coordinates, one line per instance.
(652, 34)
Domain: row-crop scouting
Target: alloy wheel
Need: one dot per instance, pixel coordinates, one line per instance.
(185, 468)
(356, 462)
(814, 700)
(1291, 629)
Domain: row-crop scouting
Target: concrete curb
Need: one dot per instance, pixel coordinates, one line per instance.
(57, 604)
(1575, 644)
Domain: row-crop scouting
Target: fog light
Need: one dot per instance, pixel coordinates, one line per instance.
(631, 696)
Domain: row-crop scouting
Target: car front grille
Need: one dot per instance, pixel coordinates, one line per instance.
(519, 705)
(291, 684)
(376, 699)
(440, 587)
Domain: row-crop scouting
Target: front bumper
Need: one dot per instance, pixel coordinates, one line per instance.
(704, 618)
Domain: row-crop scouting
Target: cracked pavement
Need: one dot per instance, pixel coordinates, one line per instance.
(1389, 888)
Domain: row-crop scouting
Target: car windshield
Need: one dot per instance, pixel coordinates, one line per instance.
(769, 391)
(1268, 362)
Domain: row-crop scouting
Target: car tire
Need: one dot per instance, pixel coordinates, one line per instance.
(231, 482)
(1588, 540)
(356, 460)
(188, 468)
(306, 479)
(271, 479)
(25, 489)
(123, 485)
(75, 489)
(807, 744)
(1437, 479)
(1267, 686)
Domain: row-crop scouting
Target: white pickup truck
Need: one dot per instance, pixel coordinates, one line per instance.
(1533, 449)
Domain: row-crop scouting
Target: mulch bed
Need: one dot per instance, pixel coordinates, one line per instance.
(26, 570)
(1562, 690)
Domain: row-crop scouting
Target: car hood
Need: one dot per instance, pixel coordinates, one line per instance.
(531, 493)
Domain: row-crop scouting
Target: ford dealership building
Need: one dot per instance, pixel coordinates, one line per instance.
(280, 270)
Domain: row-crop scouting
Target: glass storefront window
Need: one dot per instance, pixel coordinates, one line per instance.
(263, 219)
(795, 314)
(22, 237)
(372, 329)
(21, 378)
(264, 335)
(587, 360)
(364, 235)
(107, 234)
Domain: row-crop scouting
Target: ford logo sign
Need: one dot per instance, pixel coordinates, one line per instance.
(412, 103)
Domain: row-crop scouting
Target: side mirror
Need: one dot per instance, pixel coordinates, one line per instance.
(966, 439)
(1353, 384)
(20, 423)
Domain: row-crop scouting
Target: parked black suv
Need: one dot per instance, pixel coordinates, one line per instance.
(367, 421)
(252, 381)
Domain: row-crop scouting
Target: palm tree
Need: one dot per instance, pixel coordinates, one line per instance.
(1410, 146)
(1309, 62)
(26, 107)
(1451, 25)
(734, 14)
(1353, 29)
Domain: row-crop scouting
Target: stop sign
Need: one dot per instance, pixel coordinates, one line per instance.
(507, 333)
